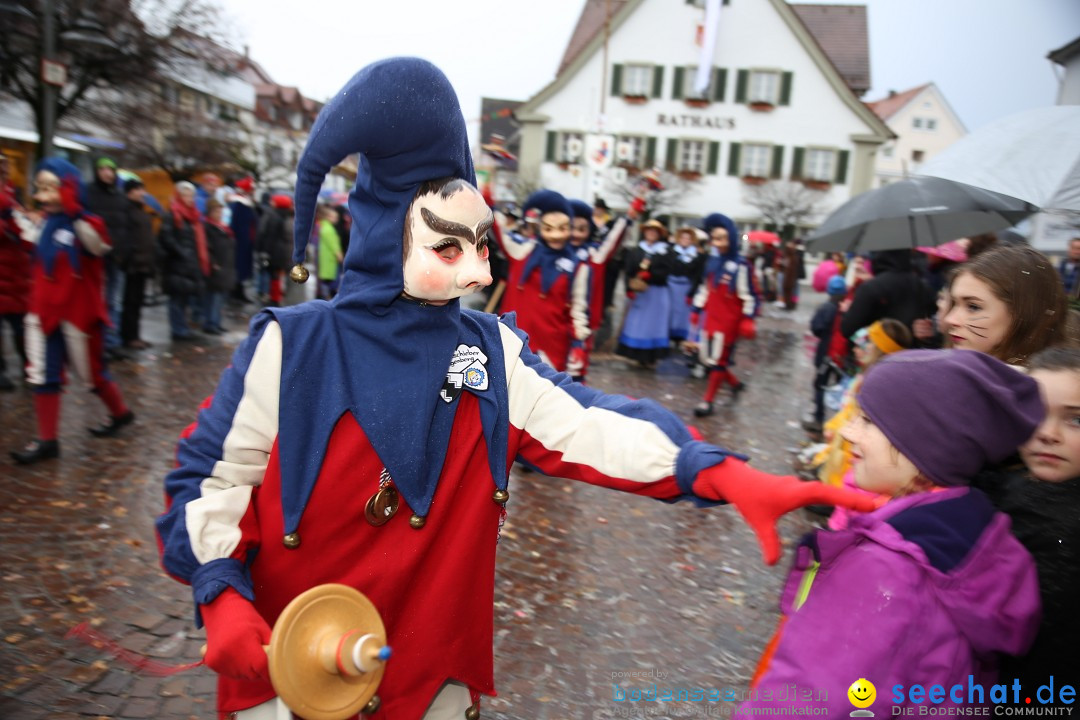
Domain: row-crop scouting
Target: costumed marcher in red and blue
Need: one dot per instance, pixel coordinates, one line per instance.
(243, 221)
(548, 284)
(15, 253)
(644, 335)
(65, 327)
(583, 238)
(729, 300)
(367, 440)
(686, 272)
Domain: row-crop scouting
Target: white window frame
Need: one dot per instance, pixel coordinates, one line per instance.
(692, 152)
(637, 79)
(637, 157)
(916, 123)
(689, 75)
(763, 86)
(563, 155)
(931, 124)
(755, 159)
(820, 164)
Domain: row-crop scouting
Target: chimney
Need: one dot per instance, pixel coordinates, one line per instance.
(892, 93)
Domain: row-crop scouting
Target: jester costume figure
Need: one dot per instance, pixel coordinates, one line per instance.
(393, 385)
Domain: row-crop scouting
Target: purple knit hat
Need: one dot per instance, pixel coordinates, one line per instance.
(951, 412)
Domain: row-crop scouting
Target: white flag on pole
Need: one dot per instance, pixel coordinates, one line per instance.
(708, 48)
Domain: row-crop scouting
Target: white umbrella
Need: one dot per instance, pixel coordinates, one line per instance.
(1033, 155)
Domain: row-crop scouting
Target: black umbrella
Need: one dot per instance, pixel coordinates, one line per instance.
(920, 212)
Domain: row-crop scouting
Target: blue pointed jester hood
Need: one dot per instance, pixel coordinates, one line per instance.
(543, 257)
(716, 260)
(387, 356)
(74, 192)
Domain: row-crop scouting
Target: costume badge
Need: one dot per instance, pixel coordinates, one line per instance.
(467, 369)
(64, 236)
(564, 264)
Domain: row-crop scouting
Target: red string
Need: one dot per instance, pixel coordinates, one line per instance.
(139, 662)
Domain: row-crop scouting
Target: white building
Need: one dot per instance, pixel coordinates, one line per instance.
(924, 125)
(776, 108)
(1068, 57)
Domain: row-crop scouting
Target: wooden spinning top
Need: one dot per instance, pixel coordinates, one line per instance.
(328, 652)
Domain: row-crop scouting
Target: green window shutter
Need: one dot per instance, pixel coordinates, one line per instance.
(741, 81)
(719, 83)
(676, 91)
(552, 139)
(785, 88)
(841, 166)
(616, 80)
(797, 163)
(650, 152)
(658, 81)
(777, 161)
(733, 159)
(714, 158)
(672, 153)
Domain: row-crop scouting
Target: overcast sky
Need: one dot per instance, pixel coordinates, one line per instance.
(987, 56)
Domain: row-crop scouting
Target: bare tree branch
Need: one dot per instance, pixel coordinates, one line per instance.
(784, 203)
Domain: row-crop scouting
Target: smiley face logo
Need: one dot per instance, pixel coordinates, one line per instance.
(862, 693)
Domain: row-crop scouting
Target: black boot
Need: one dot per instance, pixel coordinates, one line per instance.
(703, 409)
(5, 383)
(113, 426)
(35, 451)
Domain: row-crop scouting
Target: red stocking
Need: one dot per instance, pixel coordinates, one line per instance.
(47, 407)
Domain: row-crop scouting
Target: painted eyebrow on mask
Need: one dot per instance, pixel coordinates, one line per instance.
(447, 227)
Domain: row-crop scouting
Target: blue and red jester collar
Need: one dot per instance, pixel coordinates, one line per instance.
(372, 352)
(58, 233)
(553, 255)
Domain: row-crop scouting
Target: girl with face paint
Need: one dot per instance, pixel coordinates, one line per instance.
(1007, 302)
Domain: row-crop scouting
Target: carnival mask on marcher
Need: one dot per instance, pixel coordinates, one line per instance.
(446, 247)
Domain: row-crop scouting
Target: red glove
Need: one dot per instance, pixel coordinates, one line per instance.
(69, 197)
(747, 328)
(637, 205)
(576, 363)
(235, 636)
(762, 498)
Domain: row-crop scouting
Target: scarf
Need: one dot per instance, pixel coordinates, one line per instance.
(182, 211)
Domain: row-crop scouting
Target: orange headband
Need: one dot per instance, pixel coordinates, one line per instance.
(879, 337)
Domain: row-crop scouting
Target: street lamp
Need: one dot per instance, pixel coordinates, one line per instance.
(86, 33)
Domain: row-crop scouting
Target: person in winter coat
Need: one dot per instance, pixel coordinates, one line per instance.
(243, 222)
(825, 320)
(729, 300)
(105, 198)
(222, 277)
(185, 258)
(67, 316)
(1042, 496)
(136, 261)
(896, 291)
(15, 253)
(932, 587)
(273, 243)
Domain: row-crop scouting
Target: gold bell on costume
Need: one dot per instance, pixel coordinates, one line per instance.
(299, 274)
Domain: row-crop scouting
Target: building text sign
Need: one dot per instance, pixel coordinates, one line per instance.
(695, 121)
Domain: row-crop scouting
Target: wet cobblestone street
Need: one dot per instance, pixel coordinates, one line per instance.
(592, 585)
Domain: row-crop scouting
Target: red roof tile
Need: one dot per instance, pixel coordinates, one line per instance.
(889, 106)
(841, 31)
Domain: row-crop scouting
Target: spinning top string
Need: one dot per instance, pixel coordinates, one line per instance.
(139, 662)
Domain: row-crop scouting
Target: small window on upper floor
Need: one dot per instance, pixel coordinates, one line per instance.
(692, 156)
(931, 124)
(764, 87)
(820, 164)
(916, 123)
(755, 160)
(637, 80)
(917, 155)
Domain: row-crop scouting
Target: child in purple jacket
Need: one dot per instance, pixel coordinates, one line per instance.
(920, 596)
